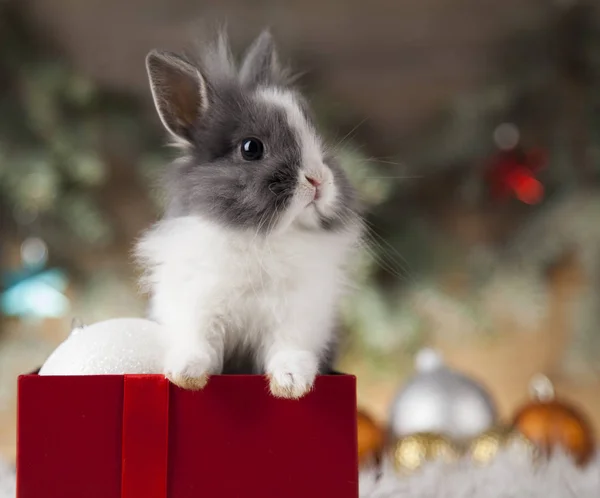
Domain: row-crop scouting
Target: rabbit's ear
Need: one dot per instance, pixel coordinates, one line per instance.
(179, 92)
(261, 64)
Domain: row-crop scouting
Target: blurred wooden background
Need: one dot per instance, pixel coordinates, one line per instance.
(393, 62)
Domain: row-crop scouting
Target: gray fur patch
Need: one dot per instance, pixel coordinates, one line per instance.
(213, 179)
(216, 181)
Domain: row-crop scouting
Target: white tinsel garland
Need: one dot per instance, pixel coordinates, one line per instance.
(510, 475)
(7, 481)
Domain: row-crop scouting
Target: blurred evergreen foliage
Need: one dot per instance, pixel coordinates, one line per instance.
(448, 257)
(59, 133)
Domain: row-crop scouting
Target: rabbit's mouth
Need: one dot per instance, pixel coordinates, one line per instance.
(319, 204)
(320, 208)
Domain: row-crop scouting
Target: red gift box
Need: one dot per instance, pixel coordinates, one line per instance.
(138, 436)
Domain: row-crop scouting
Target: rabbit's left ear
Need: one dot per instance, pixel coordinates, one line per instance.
(261, 64)
(179, 92)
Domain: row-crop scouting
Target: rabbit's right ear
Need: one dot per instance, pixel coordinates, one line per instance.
(179, 92)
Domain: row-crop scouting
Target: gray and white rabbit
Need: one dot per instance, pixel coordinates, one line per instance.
(246, 268)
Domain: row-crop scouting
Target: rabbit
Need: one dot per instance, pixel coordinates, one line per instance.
(247, 266)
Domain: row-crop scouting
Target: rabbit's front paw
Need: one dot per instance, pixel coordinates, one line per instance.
(292, 373)
(189, 368)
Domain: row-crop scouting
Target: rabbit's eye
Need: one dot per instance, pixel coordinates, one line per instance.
(252, 149)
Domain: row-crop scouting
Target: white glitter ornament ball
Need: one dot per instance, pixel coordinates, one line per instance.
(113, 347)
(442, 401)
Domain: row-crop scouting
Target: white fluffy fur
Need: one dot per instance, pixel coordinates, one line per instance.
(214, 288)
(510, 475)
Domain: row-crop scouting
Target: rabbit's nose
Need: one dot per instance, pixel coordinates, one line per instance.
(313, 181)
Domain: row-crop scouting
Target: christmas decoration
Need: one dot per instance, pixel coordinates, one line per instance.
(513, 172)
(370, 438)
(410, 453)
(486, 446)
(117, 346)
(550, 423)
(442, 401)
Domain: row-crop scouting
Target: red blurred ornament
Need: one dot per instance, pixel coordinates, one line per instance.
(513, 173)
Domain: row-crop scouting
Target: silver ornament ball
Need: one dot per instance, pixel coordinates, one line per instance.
(442, 401)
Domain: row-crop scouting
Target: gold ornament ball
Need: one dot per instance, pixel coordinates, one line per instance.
(553, 423)
(410, 453)
(485, 447)
(370, 438)
(549, 423)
